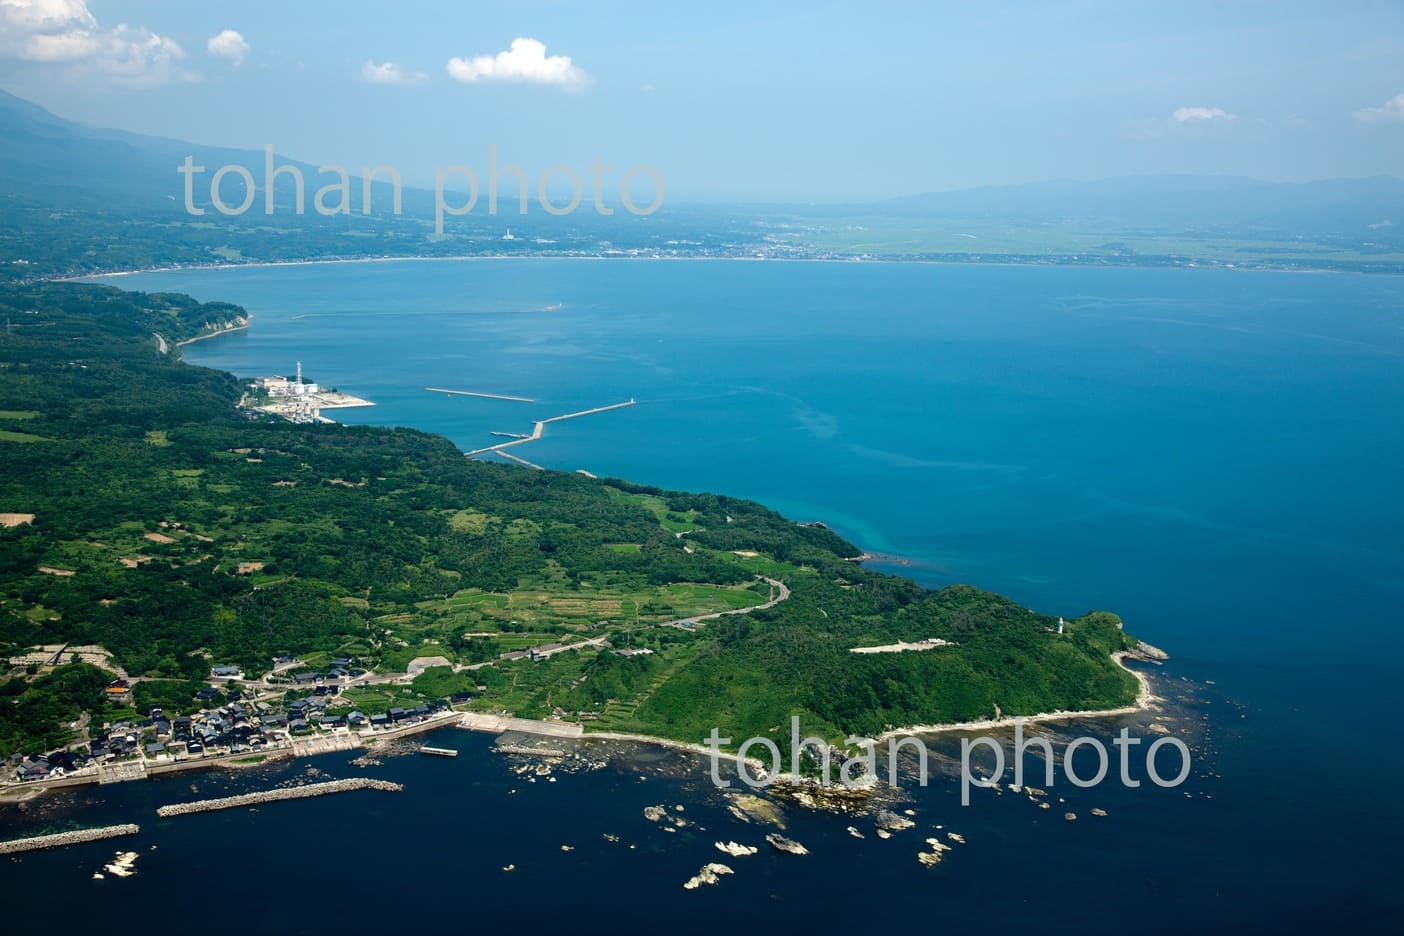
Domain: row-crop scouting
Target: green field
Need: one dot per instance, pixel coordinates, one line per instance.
(7, 435)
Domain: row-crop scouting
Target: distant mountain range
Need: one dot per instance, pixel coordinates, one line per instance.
(126, 189)
(48, 161)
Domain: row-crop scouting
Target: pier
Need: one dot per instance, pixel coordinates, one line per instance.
(519, 460)
(484, 396)
(529, 751)
(271, 796)
(539, 428)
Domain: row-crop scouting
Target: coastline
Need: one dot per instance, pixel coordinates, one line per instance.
(214, 334)
(573, 731)
(420, 258)
(1144, 697)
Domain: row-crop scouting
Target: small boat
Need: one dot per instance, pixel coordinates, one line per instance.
(438, 751)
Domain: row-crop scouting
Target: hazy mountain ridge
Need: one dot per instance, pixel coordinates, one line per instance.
(78, 199)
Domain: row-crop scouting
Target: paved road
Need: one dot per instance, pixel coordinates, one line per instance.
(784, 593)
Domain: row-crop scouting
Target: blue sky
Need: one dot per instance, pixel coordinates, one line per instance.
(764, 101)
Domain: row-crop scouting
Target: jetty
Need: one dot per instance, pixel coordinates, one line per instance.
(539, 428)
(60, 839)
(438, 751)
(272, 796)
(529, 750)
(484, 396)
(76, 837)
(519, 460)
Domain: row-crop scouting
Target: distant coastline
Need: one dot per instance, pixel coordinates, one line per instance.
(222, 330)
(1050, 261)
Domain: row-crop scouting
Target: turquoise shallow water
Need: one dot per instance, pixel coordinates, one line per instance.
(1214, 455)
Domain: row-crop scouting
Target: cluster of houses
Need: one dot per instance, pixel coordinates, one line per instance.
(45, 766)
(401, 717)
(233, 728)
(337, 669)
(230, 725)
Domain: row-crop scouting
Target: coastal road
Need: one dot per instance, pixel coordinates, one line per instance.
(782, 593)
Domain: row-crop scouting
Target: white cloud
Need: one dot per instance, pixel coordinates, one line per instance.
(526, 62)
(65, 32)
(228, 45)
(388, 73)
(1200, 114)
(1393, 109)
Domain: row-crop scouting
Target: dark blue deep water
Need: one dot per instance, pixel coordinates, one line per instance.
(1214, 455)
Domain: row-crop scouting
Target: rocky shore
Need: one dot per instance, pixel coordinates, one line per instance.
(269, 796)
(60, 839)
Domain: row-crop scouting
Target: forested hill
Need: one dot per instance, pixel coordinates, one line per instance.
(145, 513)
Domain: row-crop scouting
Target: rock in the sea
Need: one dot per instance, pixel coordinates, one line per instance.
(709, 874)
(748, 807)
(122, 865)
(956, 837)
(736, 849)
(932, 858)
(654, 813)
(786, 845)
(1070, 816)
(854, 832)
(889, 821)
(1099, 812)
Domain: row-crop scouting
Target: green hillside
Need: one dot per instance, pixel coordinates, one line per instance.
(178, 532)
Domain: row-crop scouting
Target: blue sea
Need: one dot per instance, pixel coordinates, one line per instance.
(1214, 455)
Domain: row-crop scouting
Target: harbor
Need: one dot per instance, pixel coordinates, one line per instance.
(539, 429)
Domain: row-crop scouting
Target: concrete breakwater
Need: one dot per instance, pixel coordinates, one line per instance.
(270, 796)
(60, 839)
(527, 749)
